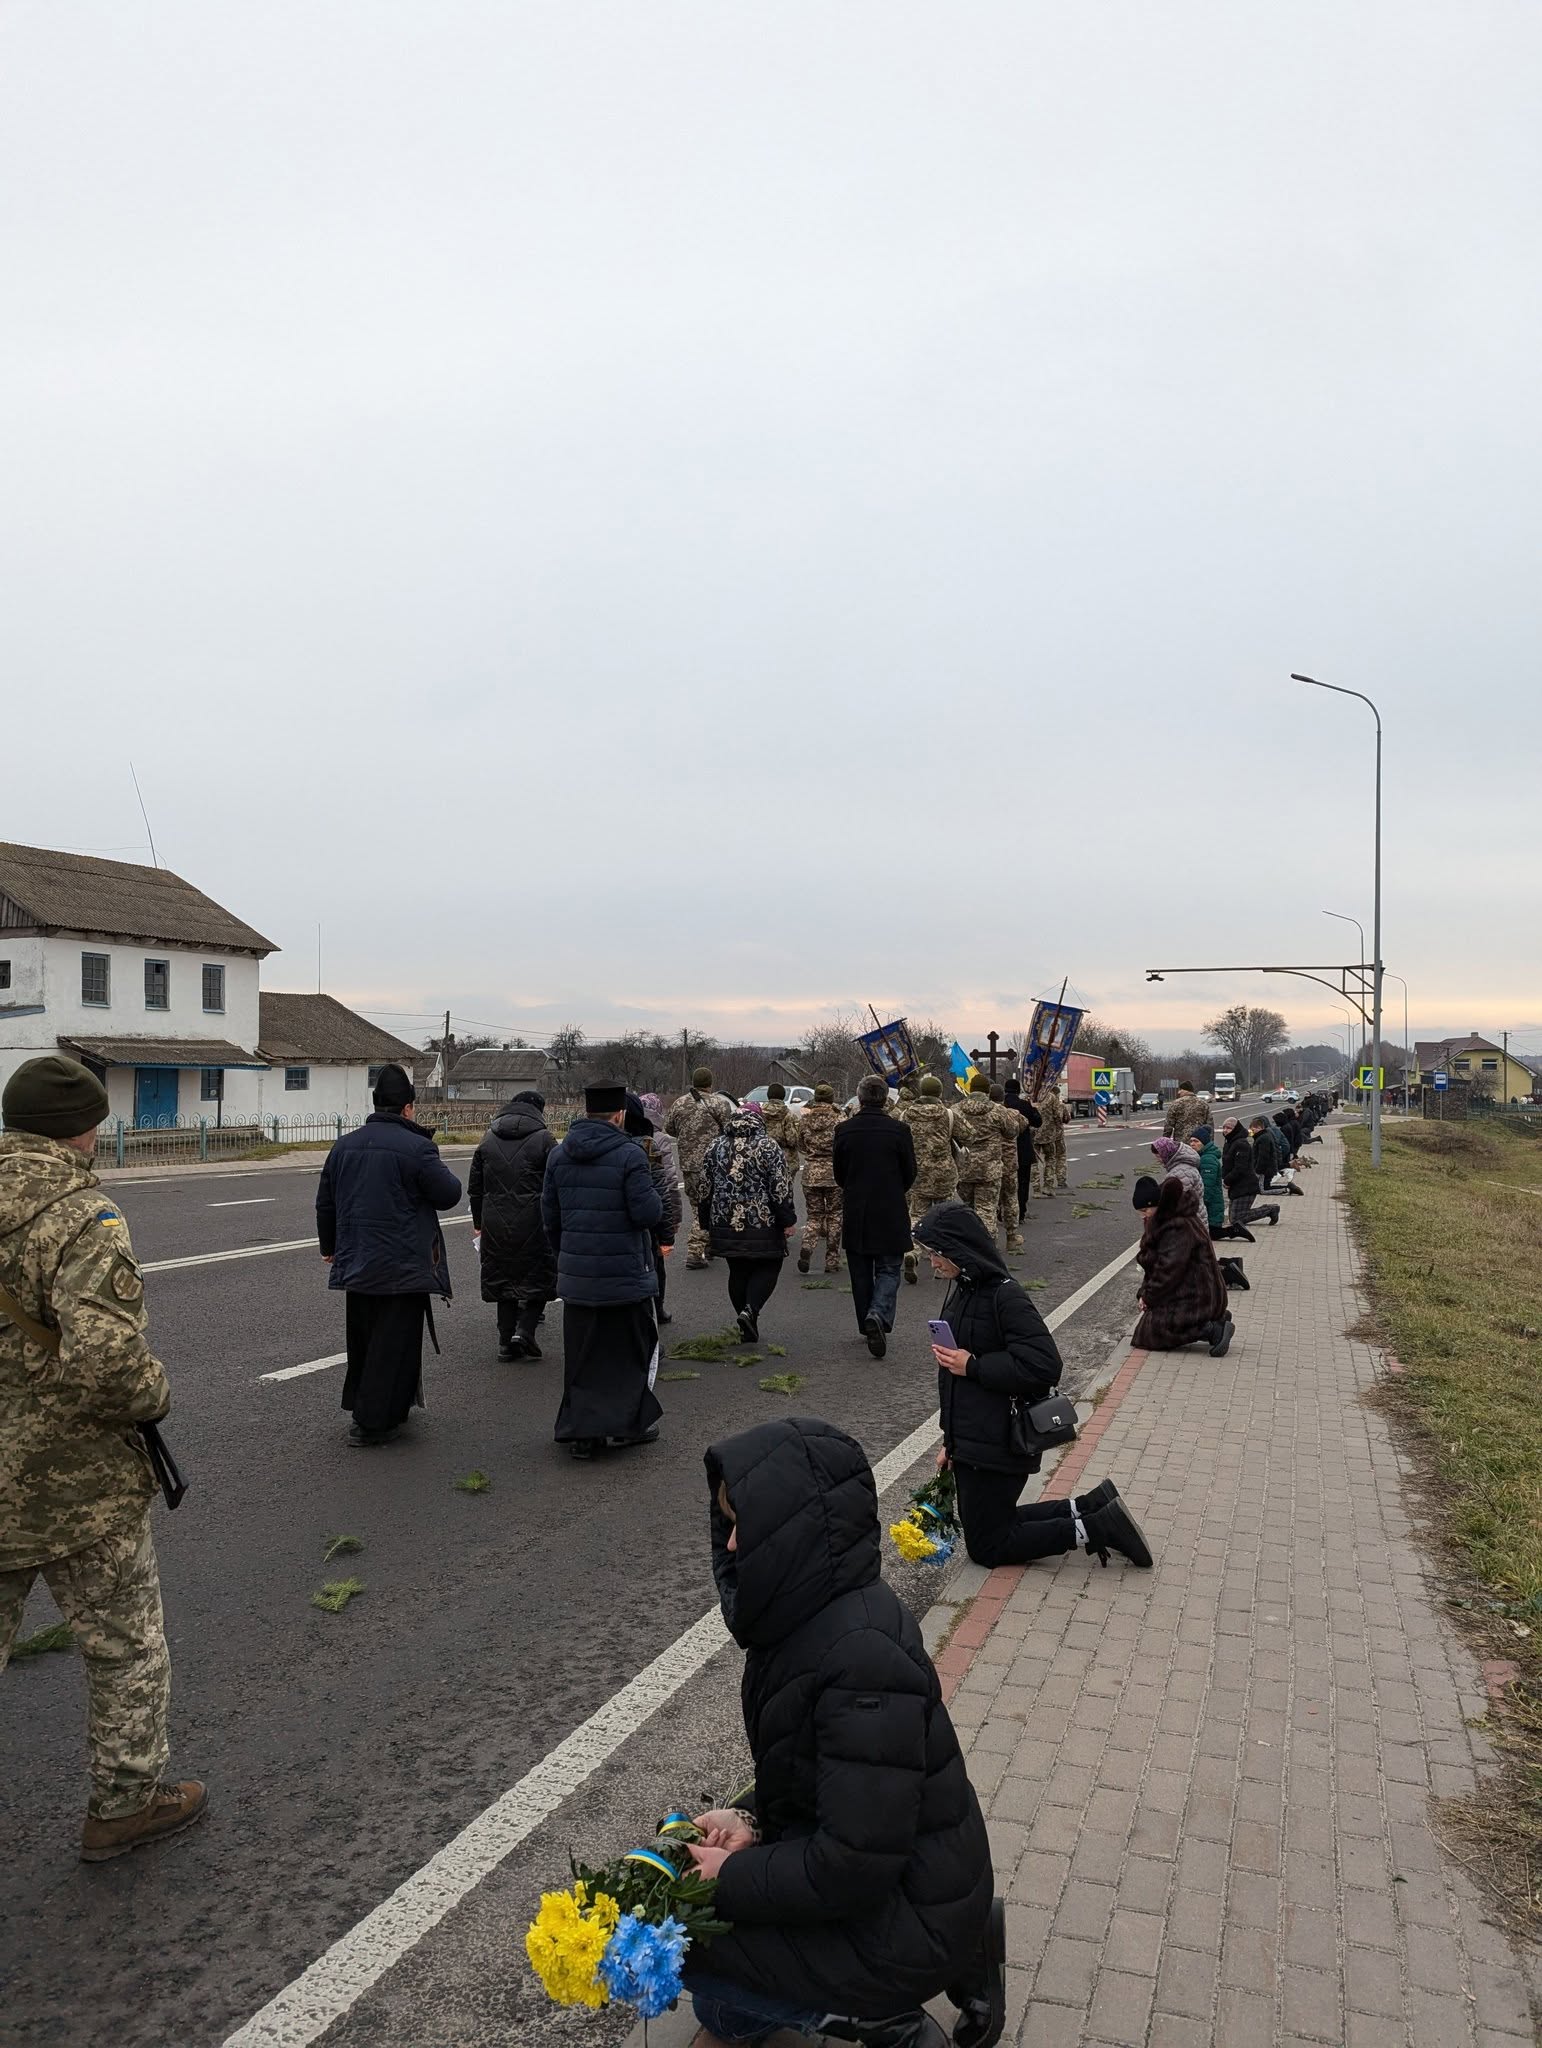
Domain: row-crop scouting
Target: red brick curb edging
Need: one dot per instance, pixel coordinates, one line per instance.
(985, 1609)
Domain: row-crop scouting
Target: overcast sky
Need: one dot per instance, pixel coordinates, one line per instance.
(693, 513)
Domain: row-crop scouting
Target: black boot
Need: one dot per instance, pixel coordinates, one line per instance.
(1096, 1497)
(1272, 1212)
(907, 2030)
(525, 1345)
(1113, 1527)
(1220, 1343)
(981, 1997)
(1241, 1230)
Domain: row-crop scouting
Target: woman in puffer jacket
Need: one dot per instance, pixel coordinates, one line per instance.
(856, 1876)
(1002, 1357)
(1180, 1162)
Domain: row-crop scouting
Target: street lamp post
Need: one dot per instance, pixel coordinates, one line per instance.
(1340, 691)
(1407, 1048)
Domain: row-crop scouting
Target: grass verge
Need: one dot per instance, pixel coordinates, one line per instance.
(1453, 1253)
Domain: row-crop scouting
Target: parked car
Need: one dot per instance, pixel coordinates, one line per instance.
(798, 1097)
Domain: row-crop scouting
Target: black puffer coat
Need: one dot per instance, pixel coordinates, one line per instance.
(504, 1187)
(870, 1888)
(1237, 1169)
(990, 1316)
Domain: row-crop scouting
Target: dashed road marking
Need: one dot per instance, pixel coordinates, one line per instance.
(294, 1372)
(245, 1202)
(247, 1251)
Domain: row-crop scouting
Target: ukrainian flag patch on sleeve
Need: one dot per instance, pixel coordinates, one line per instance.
(110, 1217)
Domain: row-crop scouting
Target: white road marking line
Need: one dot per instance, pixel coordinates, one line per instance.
(321, 1994)
(245, 1202)
(293, 1372)
(248, 1251)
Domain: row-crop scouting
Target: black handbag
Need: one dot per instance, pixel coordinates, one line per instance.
(1035, 1426)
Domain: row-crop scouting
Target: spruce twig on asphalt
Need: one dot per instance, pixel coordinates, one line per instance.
(341, 1546)
(473, 1482)
(336, 1593)
(56, 1637)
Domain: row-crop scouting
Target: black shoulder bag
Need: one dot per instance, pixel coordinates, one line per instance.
(1035, 1426)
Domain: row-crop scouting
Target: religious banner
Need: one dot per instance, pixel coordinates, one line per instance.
(1050, 1038)
(890, 1052)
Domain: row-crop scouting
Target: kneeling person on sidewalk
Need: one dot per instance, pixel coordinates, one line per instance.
(77, 1377)
(1002, 1355)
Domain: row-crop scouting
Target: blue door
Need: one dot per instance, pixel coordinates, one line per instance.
(155, 1097)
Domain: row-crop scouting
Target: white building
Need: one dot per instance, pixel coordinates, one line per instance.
(139, 975)
(323, 1057)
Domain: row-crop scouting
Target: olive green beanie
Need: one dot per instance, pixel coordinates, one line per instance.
(53, 1097)
(702, 1078)
(978, 1085)
(931, 1086)
(776, 1092)
(824, 1092)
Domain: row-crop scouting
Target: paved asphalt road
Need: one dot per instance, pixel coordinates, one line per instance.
(343, 1750)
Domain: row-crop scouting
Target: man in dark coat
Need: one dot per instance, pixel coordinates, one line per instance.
(1182, 1295)
(1028, 1111)
(600, 1208)
(874, 1159)
(519, 1272)
(856, 1880)
(377, 1220)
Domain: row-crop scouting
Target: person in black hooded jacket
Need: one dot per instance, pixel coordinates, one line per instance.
(1002, 1357)
(856, 1878)
(519, 1268)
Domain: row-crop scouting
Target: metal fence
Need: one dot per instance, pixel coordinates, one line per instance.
(192, 1140)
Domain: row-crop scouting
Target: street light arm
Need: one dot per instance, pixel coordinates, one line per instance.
(1339, 691)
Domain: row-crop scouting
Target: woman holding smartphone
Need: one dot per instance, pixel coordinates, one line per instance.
(993, 1350)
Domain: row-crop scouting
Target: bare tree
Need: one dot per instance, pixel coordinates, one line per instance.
(1247, 1034)
(830, 1053)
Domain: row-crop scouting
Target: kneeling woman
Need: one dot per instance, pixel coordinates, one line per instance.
(1002, 1355)
(1182, 1292)
(857, 1877)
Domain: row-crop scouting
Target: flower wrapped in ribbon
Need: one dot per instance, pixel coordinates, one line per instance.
(930, 1527)
(622, 1930)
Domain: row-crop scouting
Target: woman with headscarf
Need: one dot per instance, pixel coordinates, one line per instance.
(519, 1272)
(1182, 1291)
(1180, 1161)
(747, 1212)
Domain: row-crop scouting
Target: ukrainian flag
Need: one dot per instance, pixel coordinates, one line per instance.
(961, 1067)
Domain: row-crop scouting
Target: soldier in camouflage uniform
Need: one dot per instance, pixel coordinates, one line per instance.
(1185, 1113)
(76, 1378)
(821, 1197)
(1011, 1125)
(931, 1133)
(783, 1126)
(696, 1121)
(977, 1134)
(1049, 1163)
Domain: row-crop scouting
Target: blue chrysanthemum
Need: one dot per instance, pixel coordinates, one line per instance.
(642, 1963)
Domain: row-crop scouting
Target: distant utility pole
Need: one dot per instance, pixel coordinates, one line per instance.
(444, 1058)
(1504, 1069)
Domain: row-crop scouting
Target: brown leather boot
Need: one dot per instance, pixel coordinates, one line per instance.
(171, 1808)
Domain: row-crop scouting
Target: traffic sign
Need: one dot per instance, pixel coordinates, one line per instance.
(1371, 1077)
(1102, 1080)
(1442, 1082)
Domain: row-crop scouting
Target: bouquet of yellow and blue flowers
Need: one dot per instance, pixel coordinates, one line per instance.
(622, 1930)
(930, 1526)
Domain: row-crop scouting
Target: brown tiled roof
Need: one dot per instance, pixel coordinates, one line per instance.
(295, 1028)
(162, 1052)
(523, 1063)
(76, 892)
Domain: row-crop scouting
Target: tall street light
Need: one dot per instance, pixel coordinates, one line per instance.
(1344, 918)
(1339, 690)
(1407, 1048)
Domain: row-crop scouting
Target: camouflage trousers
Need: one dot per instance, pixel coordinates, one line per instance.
(824, 1221)
(984, 1197)
(110, 1595)
(1049, 1166)
(1006, 1208)
(921, 1200)
(698, 1245)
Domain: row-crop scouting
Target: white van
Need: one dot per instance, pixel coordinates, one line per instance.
(1225, 1088)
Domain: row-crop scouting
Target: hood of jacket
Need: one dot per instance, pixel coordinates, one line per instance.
(806, 1515)
(591, 1137)
(954, 1231)
(519, 1120)
(34, 1173)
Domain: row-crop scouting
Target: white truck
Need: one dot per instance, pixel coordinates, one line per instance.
(1225, 1089)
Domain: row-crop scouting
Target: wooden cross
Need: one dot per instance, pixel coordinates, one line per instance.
(990, 1058)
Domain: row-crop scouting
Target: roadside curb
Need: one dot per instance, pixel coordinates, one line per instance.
(956, 1627)
(309, 1158)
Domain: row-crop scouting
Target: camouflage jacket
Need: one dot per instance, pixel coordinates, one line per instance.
(932, 1133)
(977, 1133)
(73, 1469)
(1185, 1113)
(1010, 1125)
(696, 1122)
(783, 1127)
(1054, 1117)
(816, 1139)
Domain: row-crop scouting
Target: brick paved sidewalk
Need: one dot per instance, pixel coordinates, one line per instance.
(1209, 1785)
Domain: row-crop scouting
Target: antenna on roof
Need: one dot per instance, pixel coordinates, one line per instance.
(155, 859)
(318, 959)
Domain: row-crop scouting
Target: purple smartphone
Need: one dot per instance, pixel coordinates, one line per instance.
(942, 1336)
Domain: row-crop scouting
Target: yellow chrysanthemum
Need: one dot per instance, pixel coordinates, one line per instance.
(565, 1942)
(912, 1543)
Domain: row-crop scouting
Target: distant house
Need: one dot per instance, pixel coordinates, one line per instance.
(493, 1075)
(323, 1057)
(136, 973)
(1478, 1061)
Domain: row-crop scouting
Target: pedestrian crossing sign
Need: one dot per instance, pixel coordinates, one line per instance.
(1103, 1080)
(1371, 1077)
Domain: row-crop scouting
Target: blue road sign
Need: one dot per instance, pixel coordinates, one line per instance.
(1442, 1081)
